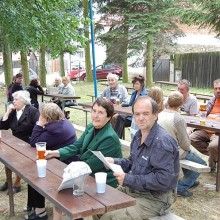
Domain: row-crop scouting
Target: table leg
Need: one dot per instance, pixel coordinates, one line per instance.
(10, 190)
(63, 105)
(218, 166)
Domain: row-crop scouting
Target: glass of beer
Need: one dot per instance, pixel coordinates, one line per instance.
(117, 102)
(41, 150)
(202, 107)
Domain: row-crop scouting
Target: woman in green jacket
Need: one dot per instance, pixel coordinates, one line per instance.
(98, 136)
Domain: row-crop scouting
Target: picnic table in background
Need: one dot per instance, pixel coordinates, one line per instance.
(211, 125)
(61, 97)
(166, 83)
(117, 109)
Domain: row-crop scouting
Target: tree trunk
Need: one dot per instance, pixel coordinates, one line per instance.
(7, 61)
(62, 70)
(89, 76)
(149, 58)
(43, 66)
(24, 66)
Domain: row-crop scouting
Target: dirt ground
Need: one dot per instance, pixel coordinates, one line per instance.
(203, 205)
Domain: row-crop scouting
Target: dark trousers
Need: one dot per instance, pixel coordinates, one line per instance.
(35, 199)
(121, 122)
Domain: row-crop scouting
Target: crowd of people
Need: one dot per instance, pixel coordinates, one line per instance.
(159, 138)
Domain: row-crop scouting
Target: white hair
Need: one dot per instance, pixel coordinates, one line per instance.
(111, 75)
(58, 78)
(23, 95)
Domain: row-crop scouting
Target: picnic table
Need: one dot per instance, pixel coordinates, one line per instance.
(211, 125)
(61, 97)
(24, 166)
(166, 83)
(127, 87)
(117, 109)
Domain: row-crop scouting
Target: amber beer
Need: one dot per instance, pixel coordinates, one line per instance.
(117, 102)
(202, 107)
(41, 150)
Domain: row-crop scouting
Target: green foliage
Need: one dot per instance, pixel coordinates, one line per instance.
(55, 23)
(204, 13)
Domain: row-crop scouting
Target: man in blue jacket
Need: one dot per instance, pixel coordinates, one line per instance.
(151, 171)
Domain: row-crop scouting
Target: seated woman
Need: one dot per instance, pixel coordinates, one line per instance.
(119, 122)
(56, 131)
(35, 89)
(98, 136)
(20, 117)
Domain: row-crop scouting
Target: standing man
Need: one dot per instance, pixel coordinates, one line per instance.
(151, 171)
(17, 86)
(206, 142)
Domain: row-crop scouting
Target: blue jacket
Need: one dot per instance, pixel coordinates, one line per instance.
(153, 165)
(144, 91)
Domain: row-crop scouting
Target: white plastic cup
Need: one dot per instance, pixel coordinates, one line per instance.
(41, 168)
(100, 179)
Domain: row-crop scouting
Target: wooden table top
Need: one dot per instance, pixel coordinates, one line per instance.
(211, 125)
(61, 96)
(24, 165)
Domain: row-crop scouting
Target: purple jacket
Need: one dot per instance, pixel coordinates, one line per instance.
(57, 134)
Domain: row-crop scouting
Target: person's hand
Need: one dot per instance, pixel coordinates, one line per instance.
(10, 108)
(120, 178)
(42, 121)
(110, 160)
(52, 153)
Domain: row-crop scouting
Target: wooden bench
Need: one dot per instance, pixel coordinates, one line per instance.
(93, 97)
(86, 110)
(166, 83)
(168, 216)
(190, 165)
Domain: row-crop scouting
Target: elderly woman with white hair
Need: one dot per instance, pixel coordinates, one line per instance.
(21, 118)
(115, 89)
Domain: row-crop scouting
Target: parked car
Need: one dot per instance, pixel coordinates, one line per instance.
(74, 72)
(101, 72)
(32, 74)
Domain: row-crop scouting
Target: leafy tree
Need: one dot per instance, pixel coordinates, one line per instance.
(144, 20)
(204, 13)
(53, 23)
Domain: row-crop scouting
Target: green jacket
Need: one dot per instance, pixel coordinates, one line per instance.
(106, 141)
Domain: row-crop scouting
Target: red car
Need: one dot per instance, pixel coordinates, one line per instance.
(73, 75)
(101, 72)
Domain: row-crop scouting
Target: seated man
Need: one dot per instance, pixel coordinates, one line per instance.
(174, 123)
(205, 141)
(115, 90)
(189, 105)
(151, 171)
